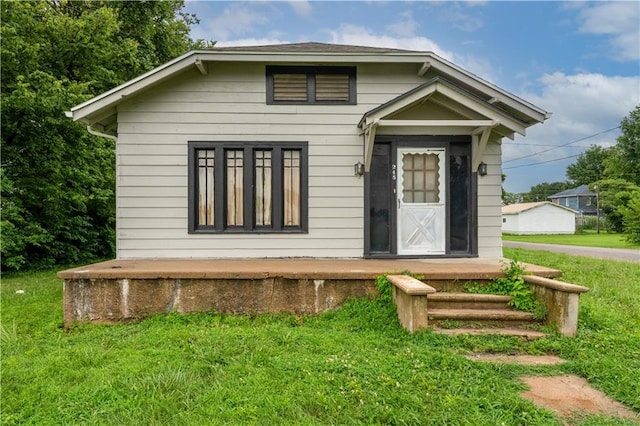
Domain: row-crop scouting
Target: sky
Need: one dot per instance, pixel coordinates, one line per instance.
(580, 61)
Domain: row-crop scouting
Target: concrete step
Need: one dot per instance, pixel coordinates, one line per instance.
(467, 301)
(484, 331)
(480, 315)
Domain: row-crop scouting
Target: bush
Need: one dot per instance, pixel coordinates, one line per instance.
(587, 223)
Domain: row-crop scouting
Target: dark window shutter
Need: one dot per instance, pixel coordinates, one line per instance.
(290, 87)
(332, 87)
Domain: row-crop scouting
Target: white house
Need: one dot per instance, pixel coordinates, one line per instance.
(308, 150)
(542, 217)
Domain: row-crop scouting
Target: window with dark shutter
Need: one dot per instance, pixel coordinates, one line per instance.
(311, 85)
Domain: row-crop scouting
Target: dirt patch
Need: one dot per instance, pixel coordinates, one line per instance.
(518, 359)
(570, 395)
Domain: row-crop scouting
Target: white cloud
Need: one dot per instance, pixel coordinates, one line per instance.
(460, 19)
(302, 8)
(479, 66)
(235, 19)
(404, 27)
(620, 20)
(360, 36)
(582, 105)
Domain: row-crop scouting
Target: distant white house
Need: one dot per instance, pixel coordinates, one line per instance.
(538, 218)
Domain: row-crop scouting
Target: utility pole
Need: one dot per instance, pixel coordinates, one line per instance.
(597, 209)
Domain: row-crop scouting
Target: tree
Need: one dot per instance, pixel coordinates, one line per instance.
(631, 218)
(57, 180)
(615, 171)
(542, 191)
(625, 163)
(589, 166)
(615, 195)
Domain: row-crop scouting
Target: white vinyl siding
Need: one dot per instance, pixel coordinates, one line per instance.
(489, 202)
(229, 104)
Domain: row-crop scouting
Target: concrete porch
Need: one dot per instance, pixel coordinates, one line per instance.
(120, 290)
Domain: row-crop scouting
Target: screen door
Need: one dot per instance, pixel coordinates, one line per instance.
(421, 201)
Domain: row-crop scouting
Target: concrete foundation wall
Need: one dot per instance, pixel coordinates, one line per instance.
(111, 300)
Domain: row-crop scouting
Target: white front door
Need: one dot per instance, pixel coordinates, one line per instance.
(421, 201)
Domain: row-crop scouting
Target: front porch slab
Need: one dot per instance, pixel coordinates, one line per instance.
(127, 289)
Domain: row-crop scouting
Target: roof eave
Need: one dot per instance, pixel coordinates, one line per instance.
(500, 95)
(197, 57)
(110, 97)
(194, 57)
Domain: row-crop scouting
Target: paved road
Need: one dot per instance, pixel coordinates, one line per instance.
(603, 253)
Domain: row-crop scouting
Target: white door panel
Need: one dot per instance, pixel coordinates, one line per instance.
(421, 201)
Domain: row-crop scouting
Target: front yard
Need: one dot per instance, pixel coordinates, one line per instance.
(583, 238)
(352, 366)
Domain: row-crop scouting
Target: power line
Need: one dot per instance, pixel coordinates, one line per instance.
(522, 144)
(560, 146)
(542, 162)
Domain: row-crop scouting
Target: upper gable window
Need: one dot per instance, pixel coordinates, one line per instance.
(311, 85)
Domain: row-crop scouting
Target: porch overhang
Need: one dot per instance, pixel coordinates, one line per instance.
(448, 127)
(475, 117)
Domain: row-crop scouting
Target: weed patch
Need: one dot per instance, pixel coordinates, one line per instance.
(523, 298)
(384, 286)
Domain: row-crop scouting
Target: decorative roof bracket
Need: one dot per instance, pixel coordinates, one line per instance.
(369, 138)
(478, 146)
(202, 67)
(424, 68)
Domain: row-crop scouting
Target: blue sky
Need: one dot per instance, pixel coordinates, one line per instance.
(578, 60)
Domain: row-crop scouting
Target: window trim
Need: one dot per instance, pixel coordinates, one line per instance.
(249, 226)
(311, 72)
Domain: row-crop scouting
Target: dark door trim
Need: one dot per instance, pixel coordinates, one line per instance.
(458, 146)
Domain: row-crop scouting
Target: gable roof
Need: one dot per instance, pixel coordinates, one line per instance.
(310, 47)
(523, 207)
(580, 190)
(100, 113)
(451, 90)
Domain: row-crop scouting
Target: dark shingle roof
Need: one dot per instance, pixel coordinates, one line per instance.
(312, 47)
(581, 190)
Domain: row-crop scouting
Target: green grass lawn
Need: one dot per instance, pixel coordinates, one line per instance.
(355, 365)
(584, 238)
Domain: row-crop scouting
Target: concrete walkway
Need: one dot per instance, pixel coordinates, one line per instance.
(628, 255)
